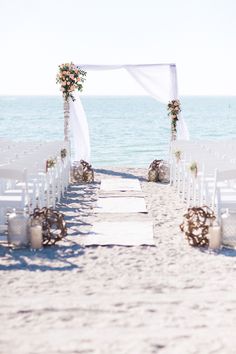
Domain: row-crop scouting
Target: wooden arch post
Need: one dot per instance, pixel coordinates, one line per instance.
(66, 119)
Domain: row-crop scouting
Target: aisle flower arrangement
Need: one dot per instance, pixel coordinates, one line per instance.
(174, 109)
(193, 168)
(178, 154)
(71, 78)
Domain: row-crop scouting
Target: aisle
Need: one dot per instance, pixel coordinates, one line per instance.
(120, 215)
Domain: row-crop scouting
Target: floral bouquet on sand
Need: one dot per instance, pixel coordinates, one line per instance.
(174, 109)
(71, 78)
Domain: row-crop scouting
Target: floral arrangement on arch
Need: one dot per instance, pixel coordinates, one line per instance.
(174, 109)
(71, 78)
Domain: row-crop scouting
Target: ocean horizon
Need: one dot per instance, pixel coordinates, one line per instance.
(124, 130)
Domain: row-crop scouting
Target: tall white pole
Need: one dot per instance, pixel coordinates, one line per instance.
(66, 120)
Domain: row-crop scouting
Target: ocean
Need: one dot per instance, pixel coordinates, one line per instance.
(124, 130)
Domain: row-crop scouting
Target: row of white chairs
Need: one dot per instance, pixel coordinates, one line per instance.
(25, 182)
(215, 182)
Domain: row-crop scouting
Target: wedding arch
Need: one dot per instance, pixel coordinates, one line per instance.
(158, 80)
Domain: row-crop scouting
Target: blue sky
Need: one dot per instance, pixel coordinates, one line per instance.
(198, 35)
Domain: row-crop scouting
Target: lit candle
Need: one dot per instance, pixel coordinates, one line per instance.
(214, 237)
(36, 236)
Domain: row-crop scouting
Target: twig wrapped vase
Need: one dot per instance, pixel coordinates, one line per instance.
(153, 171)
(164, 172)
(82, 172)
(195, 225)
(53, 225)
(159, 171)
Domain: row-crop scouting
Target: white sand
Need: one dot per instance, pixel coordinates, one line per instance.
(135, 300)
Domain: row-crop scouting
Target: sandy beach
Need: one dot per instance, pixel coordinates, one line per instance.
(69, 299)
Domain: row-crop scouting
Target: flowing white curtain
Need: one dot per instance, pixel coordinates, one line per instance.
(80, 130)
(155, 79)
(159, 81)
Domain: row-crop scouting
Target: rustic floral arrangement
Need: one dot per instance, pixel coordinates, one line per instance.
(174, 109)
(71, 78)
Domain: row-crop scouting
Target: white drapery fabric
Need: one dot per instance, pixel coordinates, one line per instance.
(159, 81)
(80, 130)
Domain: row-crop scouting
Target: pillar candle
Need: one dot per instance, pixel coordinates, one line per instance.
(36, 236)
(214, 237)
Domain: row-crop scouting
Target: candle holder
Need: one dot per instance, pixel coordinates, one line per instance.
(228, 223)
(214, 235)
(18, 222)
(36, 233)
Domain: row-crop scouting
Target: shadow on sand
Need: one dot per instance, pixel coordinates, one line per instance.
(228, 252)
(77, 205)
(118, 174)
(224, 251)
(56, 258)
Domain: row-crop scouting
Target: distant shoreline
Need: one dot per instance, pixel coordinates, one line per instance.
(107, 95)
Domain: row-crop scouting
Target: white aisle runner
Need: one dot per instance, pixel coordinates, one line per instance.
(121, 205)
(120, 184)
(128, 226)
(126, 233)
